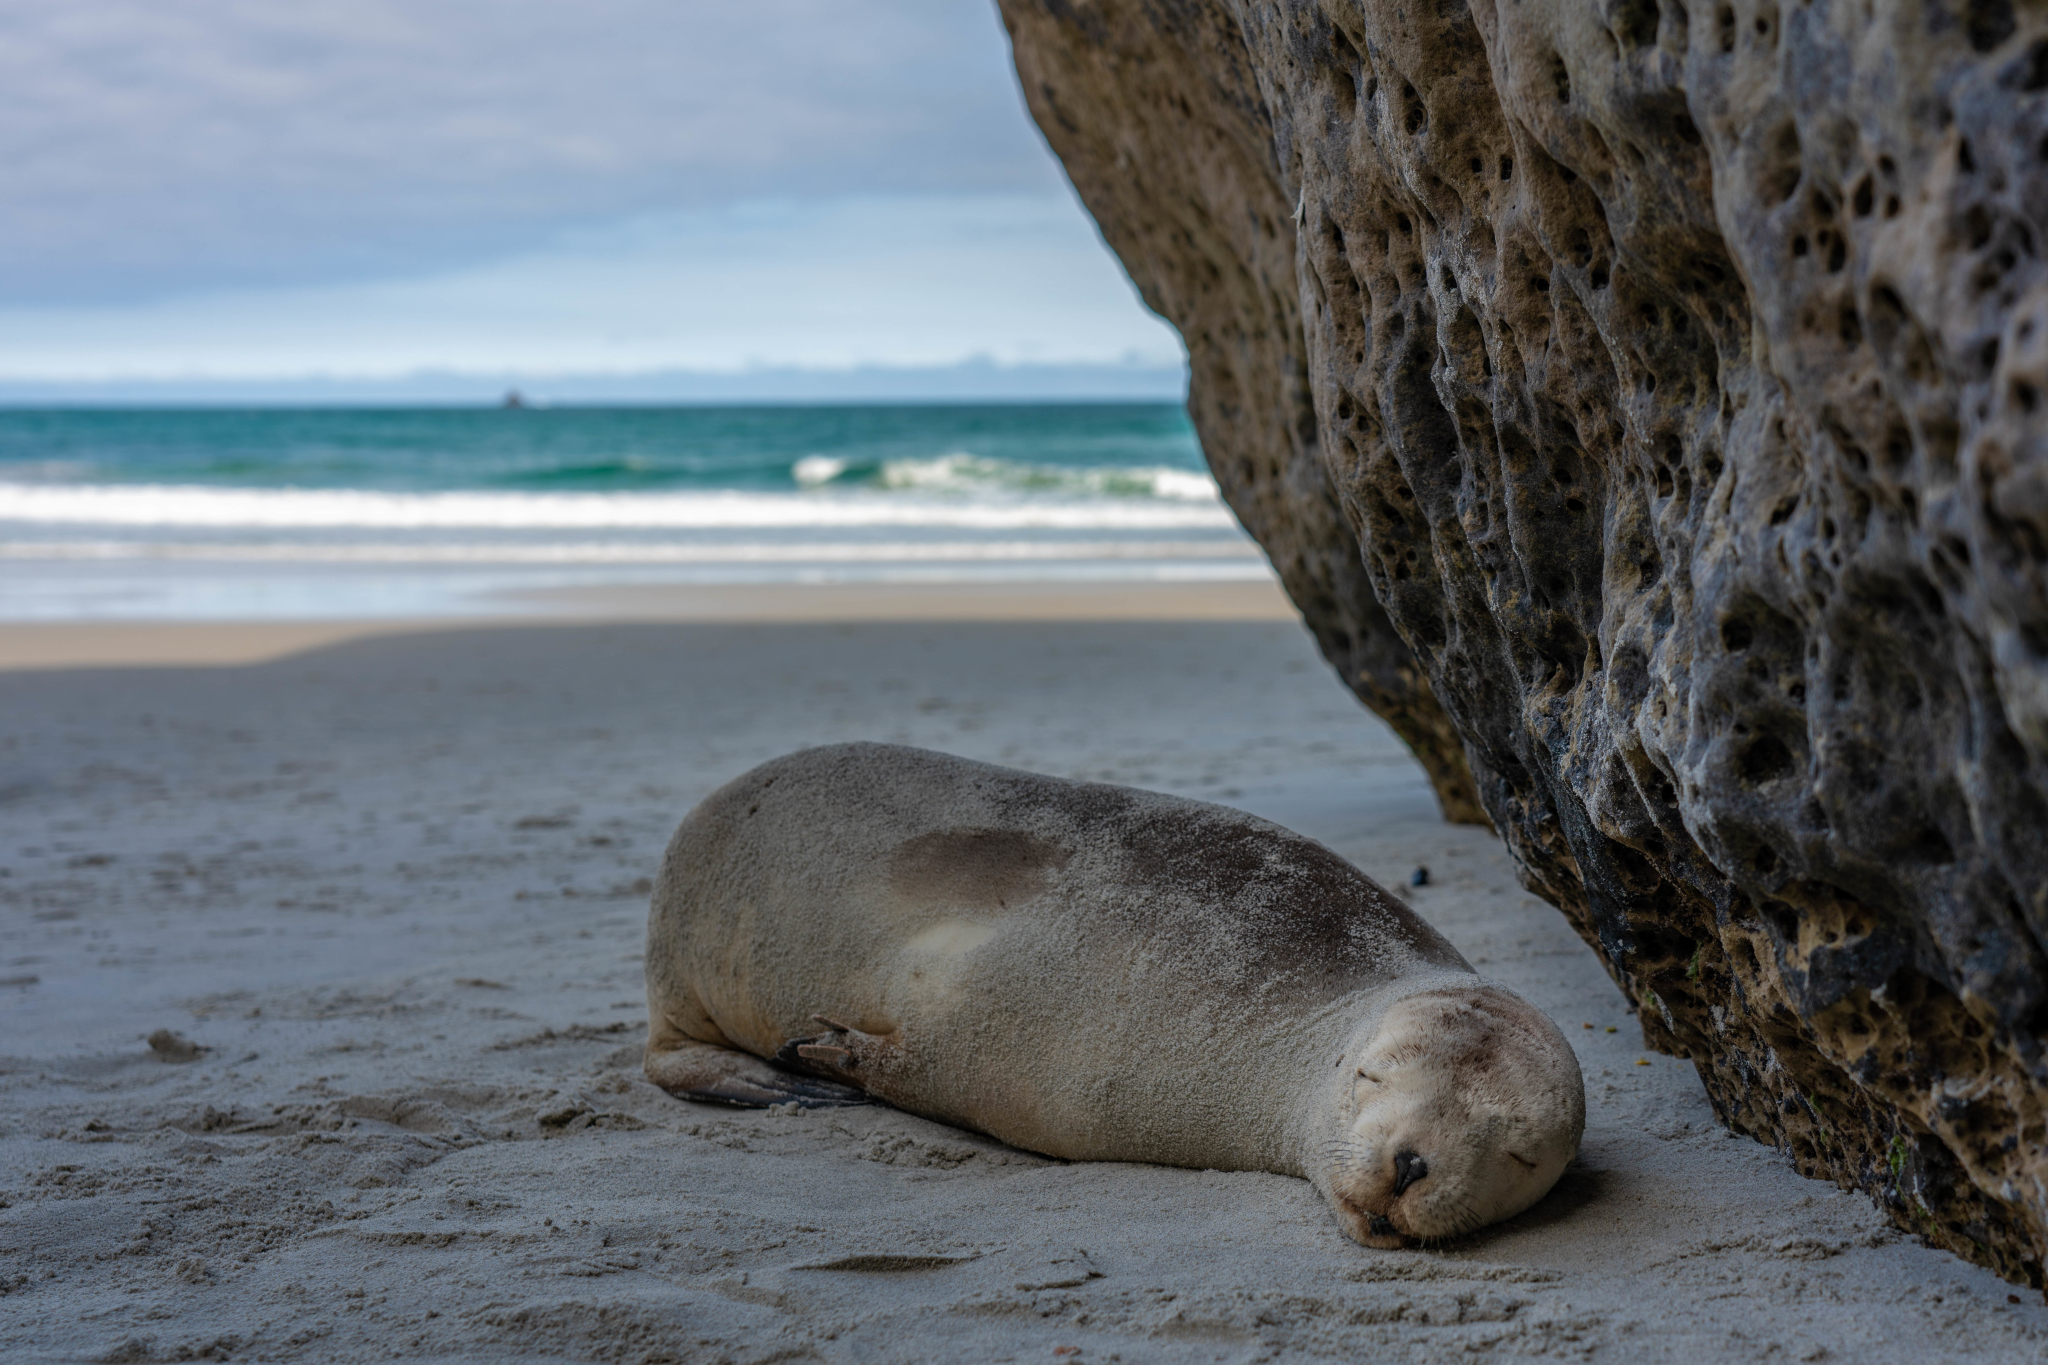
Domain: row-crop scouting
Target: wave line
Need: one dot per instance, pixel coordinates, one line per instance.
(249, 508)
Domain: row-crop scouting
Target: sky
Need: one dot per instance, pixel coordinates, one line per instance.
(238, 189)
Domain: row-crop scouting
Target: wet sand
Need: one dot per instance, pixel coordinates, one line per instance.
(392, 882)
(73, 644)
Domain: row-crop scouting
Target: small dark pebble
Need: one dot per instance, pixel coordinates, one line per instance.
(172, 1047)
(1419, 877)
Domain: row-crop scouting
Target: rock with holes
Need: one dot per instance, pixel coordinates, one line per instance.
(1675, 372)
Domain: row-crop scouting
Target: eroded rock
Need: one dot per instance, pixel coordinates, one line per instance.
(1671, 378)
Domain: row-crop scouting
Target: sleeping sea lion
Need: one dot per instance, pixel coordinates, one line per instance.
(1096, 973)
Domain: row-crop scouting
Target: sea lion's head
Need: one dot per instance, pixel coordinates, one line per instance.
(1460, 1107)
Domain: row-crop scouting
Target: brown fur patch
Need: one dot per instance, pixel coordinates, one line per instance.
(974, 869)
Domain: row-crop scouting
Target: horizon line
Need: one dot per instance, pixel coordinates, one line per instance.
(974, 380)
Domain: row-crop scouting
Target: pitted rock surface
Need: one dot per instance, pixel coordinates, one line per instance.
(1649, 397)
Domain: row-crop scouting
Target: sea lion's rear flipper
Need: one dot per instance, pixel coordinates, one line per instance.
(861, 1058)
(691, 1070)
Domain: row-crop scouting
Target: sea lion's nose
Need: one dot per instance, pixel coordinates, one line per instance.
(1408, 1168)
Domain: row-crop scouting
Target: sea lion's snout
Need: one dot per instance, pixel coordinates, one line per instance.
(1466, 1107)
(1368, 1228)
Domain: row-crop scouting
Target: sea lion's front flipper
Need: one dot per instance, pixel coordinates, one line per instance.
(691, 1070)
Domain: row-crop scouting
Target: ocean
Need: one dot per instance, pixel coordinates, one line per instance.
(306, 513)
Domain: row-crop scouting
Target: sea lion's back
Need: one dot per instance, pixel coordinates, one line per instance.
(856, 846)
(1038, 958)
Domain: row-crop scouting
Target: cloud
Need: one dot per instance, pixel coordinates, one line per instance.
(157, 147)
(888, 280)
(977, 380)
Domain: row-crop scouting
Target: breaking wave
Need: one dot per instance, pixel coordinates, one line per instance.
(827, 504)
(963, 473)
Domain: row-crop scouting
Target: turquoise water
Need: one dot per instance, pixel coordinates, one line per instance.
(297, 512)
(1024, 446)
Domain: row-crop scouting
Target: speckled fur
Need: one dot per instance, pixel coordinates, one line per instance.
(1084, 970)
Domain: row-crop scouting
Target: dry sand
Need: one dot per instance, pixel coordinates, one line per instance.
(394, 888)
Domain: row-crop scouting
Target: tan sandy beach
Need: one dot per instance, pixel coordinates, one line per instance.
(391, 879)
(71, 644)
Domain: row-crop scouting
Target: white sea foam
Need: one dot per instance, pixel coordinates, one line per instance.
(814, 470)
(162, 505)
(964, 473)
